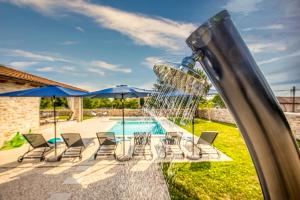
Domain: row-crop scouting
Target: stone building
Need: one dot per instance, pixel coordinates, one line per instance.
(20, 114)
(287, 103)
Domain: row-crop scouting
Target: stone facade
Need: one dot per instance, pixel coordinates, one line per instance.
(21, 114)
(17, 114)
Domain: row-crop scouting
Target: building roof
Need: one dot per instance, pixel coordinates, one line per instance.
(288, 100)
(7, 73)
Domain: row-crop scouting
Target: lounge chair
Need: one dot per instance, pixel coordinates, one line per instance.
(207, 138)
(172, 144)
(107, 144)
(39, 147)
(142, 144)
(74, 146)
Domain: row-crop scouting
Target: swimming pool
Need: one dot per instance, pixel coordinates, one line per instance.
(132, 126)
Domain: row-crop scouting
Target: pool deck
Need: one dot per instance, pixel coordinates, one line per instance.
(104, 178)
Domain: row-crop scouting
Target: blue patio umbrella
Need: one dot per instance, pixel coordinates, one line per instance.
(121, 92)
(47, 91)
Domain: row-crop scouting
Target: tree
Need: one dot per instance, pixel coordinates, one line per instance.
(87, 103)
(142, 102)
(45, 103)
(218, 101)
(59, 102)
(208, 105)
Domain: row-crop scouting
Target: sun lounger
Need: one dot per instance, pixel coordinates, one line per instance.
(172, 144)
(39, 147)
(74, 146)
(205, 143)
(107, 144)
(142, 144)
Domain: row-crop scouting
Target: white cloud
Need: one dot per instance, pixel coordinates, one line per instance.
(65, 69)
(68, 68)
(33, 56)
(111, 67)
(96, 71)
(80, 29)
(92, 86)
(145, 30)
(148, 86)
(275, 59)
(265, 47)
(22, 64)
(68, 42)
(270, 27)
(45, 69)
(150, 61)
(244, 6)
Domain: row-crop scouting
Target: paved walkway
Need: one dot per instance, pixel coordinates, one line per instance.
(96, 180)
(103, 178)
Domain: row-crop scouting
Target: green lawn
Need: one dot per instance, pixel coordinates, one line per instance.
(86, 117)
(235, 179)
(64, 117)
(68, 117)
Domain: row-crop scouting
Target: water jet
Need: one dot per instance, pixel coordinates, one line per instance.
(228, 63)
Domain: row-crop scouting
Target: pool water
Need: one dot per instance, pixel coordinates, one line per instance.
(131, 127)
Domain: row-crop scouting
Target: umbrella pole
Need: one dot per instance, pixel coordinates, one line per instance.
(192, 156)
(193, 128)
(123, 125)
(54, 116)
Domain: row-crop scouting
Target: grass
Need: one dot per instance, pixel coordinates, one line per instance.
(17, 141)
(68, 117)
(64, 117)
(86, 117)
(235, 179)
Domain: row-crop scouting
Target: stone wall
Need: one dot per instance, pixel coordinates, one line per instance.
(94, 112)
(17, 114)
(113, 112)
(223, 115)
(219, 115)
(294, 121)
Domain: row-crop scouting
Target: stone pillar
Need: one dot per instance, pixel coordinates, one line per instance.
(76, 106)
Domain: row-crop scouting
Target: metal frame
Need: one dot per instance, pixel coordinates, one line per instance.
(199, 142)
(35, 152)
(106, 142)
(141, 140)
(72, 151)
(172, 139)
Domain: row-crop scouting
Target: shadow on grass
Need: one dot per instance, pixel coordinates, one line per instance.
(179, 189)
(200, 121)
(200, 166)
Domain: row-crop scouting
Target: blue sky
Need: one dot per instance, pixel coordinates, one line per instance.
(96, 44)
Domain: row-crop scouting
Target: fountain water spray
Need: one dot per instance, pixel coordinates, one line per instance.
(224, 56)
